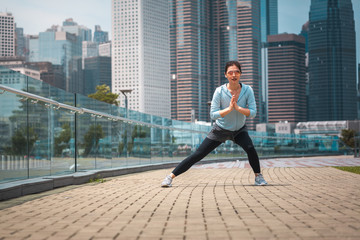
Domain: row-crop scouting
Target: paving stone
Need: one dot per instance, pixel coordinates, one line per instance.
(204, 203)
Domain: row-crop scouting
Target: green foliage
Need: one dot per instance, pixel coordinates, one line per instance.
(355, 169)
(92, 137)
(19, 142)
(97, 179)
(348, 137)
(62, 141)
(103, 94)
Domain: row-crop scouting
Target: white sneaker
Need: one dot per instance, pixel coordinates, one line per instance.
(259, 180)
(167, 181)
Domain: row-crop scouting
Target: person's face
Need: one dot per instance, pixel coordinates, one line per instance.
(233, 74)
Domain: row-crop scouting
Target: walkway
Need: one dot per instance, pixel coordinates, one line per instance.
(204, 203)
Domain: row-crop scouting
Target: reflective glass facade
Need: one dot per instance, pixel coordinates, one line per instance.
(269, 18)
(332, 61)
(45, 131)
(190, 59)
(204, 36)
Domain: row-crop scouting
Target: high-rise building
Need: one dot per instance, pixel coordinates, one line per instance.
(190, 59)
(204, 35)
(43, 71)
(100, 36)
(81, 32)
(62, 46)
(20, 41)
(286, 78)
(89, 49)
(269, 26)
(332, 61)
(269, 18)
(105, 49)
(305, 33)
(141, 54)
(7, 35)
(59, 48)
(249, 50)
(97, 72)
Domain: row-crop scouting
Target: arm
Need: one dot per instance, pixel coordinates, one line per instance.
(251, 110)
(244, 111)
(229, 109)
(215, 111)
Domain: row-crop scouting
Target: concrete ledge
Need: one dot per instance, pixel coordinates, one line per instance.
(36, 185)
(29, 186)
(61, 181)
(10, 190)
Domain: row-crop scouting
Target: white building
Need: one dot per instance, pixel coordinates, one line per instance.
(326, 127)
(7, 35)
(89, 49)
(141, 54)
(105, 49)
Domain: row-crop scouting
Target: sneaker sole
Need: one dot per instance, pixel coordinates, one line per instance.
(166, 186)
(261, 184)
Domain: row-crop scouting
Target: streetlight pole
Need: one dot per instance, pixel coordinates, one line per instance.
(125, 91)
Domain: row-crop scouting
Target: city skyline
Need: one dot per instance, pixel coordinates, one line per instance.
(292, 15)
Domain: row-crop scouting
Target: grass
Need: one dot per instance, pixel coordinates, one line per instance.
(355, 169)
(97, 179)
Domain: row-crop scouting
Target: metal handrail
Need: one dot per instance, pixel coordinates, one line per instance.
(112, 117)
(93, 112)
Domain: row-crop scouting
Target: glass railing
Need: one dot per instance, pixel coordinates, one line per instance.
(46, 131)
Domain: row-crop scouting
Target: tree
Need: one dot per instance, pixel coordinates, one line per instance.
(62, 141)
(92, 138)
(348, 137)
(19, 142)
(103, 94)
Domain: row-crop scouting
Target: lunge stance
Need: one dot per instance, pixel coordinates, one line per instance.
(231, 104)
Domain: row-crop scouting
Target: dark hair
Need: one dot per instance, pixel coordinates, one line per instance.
(231, 63)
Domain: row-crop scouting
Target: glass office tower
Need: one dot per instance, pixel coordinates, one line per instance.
(204, 35)
(269, 18)
(332, 61)
(190, 59)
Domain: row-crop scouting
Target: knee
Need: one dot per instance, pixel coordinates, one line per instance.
(250, 149)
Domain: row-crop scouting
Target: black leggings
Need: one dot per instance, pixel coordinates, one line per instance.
(242, 139)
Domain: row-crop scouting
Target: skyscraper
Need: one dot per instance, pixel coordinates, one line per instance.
(204, 36)
(332, 61)
(59, 48)
(97, 72)
(81, 32)
(20, 41)
(100, 36)
(141, 54)
(248, 50)
(269, 26)
(105, 49)
(89, 49)
(286, 78)
(7, 35)
(269, 18)
(190, 59)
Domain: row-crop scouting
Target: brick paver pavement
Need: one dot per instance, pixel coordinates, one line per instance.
(298, 203)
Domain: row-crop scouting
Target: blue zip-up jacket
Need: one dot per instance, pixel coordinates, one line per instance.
(221, 100)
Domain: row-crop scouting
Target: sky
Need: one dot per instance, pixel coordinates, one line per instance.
(36, 16)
